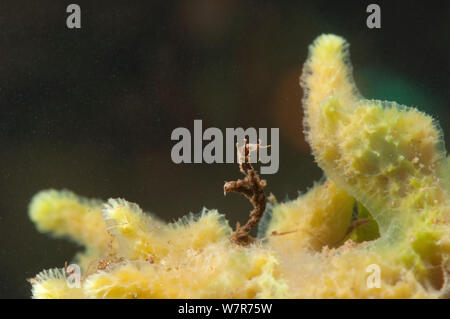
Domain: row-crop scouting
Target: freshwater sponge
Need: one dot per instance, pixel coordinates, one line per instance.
(384, 164)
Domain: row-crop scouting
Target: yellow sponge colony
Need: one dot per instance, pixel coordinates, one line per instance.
(319, 218)
(382, 162)
(192, 258)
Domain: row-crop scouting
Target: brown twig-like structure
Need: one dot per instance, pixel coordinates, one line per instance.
(252, 187)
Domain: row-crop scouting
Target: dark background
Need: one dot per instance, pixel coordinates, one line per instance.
(92, 110)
